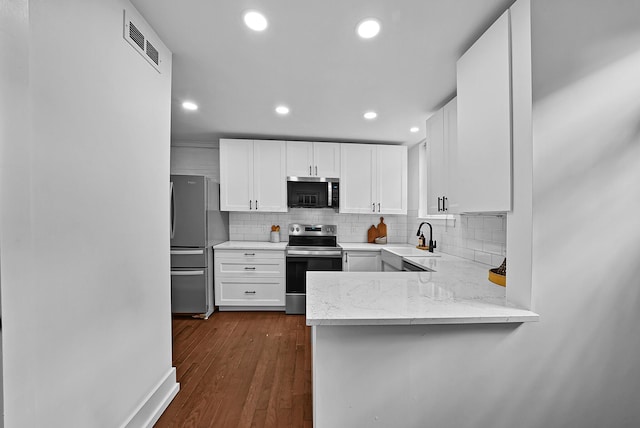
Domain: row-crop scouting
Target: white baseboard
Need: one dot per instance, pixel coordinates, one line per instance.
(154, 404)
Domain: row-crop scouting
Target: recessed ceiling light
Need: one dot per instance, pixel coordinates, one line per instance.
(414, 129)
(368, 28)
(282, 110)
(189, 105)
(255, 20)
(370, 115)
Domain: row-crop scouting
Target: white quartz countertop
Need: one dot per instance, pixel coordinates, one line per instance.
(250, 245)
(457, 292)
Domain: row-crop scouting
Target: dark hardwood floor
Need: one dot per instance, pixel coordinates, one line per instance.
(241, 369)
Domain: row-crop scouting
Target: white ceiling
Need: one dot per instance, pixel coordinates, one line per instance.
(311, 59)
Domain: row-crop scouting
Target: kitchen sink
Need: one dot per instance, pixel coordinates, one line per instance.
(392, 257)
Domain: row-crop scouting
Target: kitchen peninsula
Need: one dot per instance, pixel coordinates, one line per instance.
(378, 337)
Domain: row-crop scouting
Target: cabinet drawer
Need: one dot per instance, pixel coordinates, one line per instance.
(249, 254)
(189, 291)
(250, 292)
(250, 268)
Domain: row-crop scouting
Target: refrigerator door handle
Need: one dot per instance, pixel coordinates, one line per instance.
(173, 211)
(187, 272)
(187, 252)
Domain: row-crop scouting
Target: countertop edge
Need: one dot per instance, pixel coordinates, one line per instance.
(251, 245)
(491, 319)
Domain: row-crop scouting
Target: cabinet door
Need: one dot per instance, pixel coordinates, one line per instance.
(361, 261)
(270, 176)
(450, 173)
(484, 122)
(435, 162)
(357, 178)
(391, 179)
(326, 159)
(236, 175)
(299, 159)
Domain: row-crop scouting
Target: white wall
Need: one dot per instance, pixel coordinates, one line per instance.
(578, 366)
(196, 158)
(84, 237)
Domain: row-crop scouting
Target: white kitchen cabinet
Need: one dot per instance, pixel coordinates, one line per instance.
(253, 175)
(373, 179)
(484, 122)
(438, 163)
(249, 279)
(313, 159)
(361, 261)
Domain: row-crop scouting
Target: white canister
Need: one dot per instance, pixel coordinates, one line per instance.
(275, 236)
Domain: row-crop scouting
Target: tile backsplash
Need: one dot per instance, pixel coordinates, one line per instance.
(245, 226)
(476, 237)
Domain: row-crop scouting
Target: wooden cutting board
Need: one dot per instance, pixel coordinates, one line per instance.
(372, 234)
(382, 228)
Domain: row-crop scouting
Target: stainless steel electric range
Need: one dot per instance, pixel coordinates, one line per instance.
(311, 248)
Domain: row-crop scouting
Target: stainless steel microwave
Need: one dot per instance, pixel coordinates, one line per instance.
(313, 192)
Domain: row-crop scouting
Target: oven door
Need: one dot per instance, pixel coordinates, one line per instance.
(296, 282)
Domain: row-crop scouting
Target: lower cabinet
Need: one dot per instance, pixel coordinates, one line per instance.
(249, 279)
(361, 261)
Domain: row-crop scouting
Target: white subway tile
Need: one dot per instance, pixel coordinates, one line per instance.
(493, 248)
(482, 257)
(499, 236)
(473, 244)
(483, 235)
(475, 222)
(493, 223)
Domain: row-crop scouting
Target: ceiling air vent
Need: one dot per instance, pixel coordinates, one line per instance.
(134, 33)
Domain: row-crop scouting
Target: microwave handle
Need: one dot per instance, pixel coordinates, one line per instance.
(330, 194)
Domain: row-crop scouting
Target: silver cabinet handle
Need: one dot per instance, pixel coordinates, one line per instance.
(309, 169)
(256, 204)
(249, 292)
(249, 268)
(316, 169)
(173, 212)
(373, 207)
(187, 272)
(250, 202)
(378, 206)
(249, 254)
(186, 252)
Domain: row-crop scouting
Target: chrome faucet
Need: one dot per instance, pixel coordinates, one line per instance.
(432, 243)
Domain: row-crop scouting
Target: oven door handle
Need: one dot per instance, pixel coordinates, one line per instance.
(311, 253)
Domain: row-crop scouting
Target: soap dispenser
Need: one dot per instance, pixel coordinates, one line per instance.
(421, 241)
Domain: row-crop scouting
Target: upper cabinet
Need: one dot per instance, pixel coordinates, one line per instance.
(438, 163)
(373, 179)
(484, 122)
(253, 175)
(307, 159)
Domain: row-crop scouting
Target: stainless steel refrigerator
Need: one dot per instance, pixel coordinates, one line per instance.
(197, 224)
